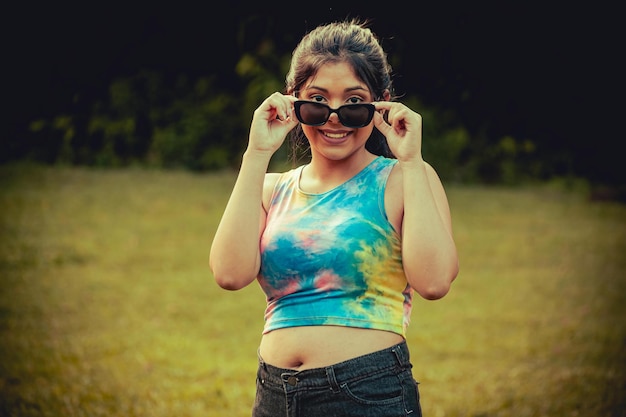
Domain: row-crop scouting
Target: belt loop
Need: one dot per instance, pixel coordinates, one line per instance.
(261, 361)
(401, 357)
(332, 379)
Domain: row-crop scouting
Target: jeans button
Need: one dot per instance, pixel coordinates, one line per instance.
(292, 380)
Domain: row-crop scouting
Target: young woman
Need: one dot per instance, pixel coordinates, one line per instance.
(340, 244)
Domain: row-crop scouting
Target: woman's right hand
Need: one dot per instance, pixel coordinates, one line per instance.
(271, 122)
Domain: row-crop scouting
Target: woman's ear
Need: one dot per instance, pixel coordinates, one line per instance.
(386, 95)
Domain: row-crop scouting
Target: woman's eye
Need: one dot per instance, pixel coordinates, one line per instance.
(317, 98)
(354, 100)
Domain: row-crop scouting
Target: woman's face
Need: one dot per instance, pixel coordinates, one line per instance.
(336, 84)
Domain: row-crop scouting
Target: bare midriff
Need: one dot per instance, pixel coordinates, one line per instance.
(309, 347)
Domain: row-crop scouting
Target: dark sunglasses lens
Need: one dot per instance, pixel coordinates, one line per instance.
(312, 113)
(356, 115)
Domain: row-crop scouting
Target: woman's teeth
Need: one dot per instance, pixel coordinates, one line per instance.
(336, 135)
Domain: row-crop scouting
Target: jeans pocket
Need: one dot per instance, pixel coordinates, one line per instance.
(382, 388)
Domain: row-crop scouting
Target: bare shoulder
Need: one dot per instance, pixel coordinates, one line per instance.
(271, 178)
(396, 177)
(394, 194)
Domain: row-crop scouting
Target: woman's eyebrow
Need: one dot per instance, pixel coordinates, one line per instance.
(347, 90)
(357, 88)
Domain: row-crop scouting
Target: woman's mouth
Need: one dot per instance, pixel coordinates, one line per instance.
(335, 135)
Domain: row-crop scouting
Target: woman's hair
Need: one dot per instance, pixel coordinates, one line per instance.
(349, 41)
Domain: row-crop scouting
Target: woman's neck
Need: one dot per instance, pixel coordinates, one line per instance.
(323, 174)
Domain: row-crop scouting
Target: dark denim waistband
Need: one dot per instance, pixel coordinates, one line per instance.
(396, 356)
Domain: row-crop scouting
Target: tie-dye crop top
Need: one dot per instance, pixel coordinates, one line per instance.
(334, 258)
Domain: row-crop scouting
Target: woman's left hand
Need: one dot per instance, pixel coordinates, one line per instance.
(403, 130)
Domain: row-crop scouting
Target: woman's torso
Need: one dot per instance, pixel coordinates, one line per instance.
(305, 347)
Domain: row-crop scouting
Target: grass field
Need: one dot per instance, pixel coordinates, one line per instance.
(108, 308)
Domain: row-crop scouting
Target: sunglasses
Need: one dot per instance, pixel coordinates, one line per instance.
(350, 115)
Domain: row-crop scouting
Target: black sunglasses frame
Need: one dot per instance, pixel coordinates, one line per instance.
(342, 119)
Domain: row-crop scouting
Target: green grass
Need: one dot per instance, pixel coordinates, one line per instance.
(108, 308)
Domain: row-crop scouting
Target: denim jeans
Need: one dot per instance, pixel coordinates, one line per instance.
(378, 384)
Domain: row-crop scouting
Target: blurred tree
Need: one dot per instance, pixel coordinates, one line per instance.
(199, 130)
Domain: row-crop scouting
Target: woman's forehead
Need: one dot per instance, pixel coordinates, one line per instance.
(336, 76)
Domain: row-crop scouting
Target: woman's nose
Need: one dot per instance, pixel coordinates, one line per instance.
(333, 118)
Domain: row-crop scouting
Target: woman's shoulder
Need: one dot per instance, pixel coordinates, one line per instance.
(272, 179)
(397, 174)
(395, 182)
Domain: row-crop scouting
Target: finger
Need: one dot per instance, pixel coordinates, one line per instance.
(289, 122)
(389, 110)
(382, 125)
(395, 121)
(405, 119)
(278, 106)
(285, 107)
(383, 105)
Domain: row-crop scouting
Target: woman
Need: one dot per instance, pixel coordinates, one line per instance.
(340, 244)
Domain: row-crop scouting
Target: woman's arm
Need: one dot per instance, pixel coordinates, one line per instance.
(428, 250)
(235, 257)
(429, 253)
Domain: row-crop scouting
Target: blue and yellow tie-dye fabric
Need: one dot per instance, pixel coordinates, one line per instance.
(334, 258)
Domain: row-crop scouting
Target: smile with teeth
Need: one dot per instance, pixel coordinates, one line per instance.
(336, 135)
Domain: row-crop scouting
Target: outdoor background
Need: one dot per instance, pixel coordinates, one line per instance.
(122, 133)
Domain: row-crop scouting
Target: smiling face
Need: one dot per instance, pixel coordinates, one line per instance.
(336, 84)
